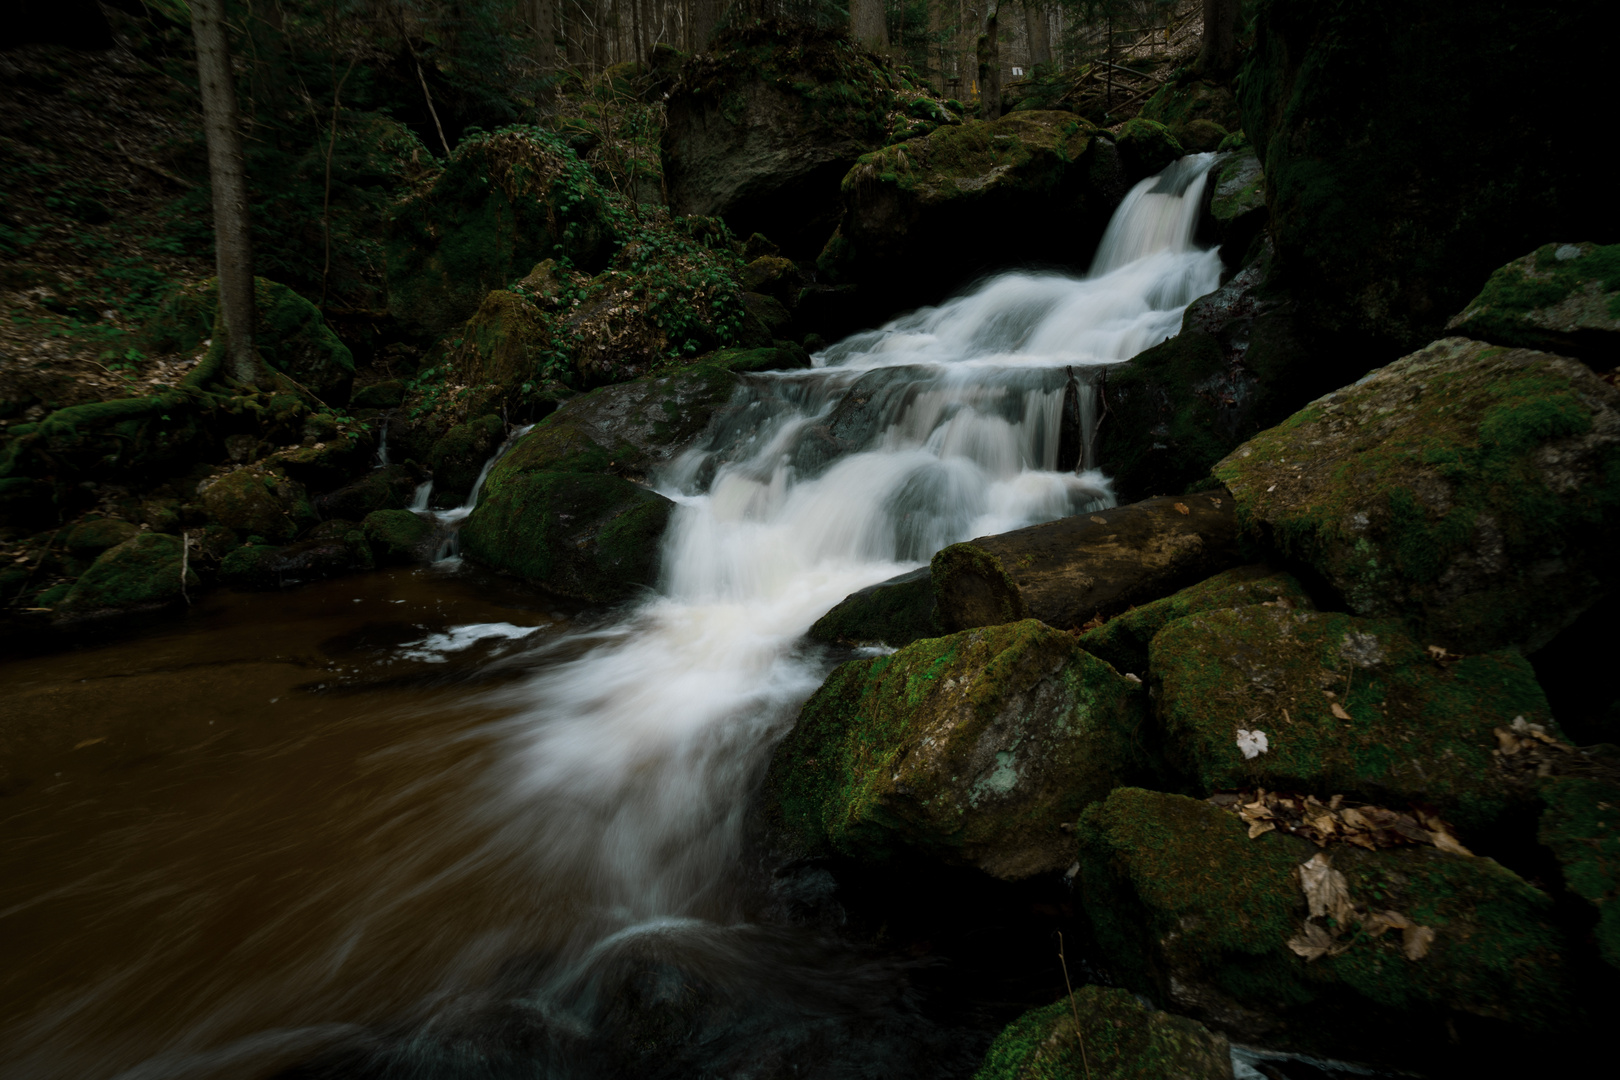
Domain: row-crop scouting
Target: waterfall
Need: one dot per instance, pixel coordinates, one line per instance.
(942, 425)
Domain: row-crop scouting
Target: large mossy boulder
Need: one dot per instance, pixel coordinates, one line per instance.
(1562, 298)
(1116, 1038)
(1190, 910)
(459, 455)
(255, 501)
(1123, 640)
(1346, 706)
(1471, 489)
(145, 571)
(893, 613)
(1042, 184)
(1193, 109)
(1581, 826)
(397, 536)
(1146, 147)
(502, 203)
(975, 748)
(1404, 163)
(390, 487)
(1089, 566)
(761, 128)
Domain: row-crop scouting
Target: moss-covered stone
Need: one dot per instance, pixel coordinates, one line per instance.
(1562, 298)
(894, 613)
(250, 568)
(1123, 640)
(458, 456)
(288, 331)
(502, 203)
(1190, 910)
(1146, 147)
(1417, 731)
(974, 748)
(1473, 490)
(142, 571)
(328, 463)
(1123, 1040)
(90, 538)
(388, 394)
(389, 488)
(396, 536)
(1236, 211)
(1183, 103)
(257, 502)
(1582, 827)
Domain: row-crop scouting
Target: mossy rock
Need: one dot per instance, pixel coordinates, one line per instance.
(502, 347)
(976, 748)
(1562, 298)
(288, 331)
(1117, 1038)
(256, 502)
(389, 488)
(396, 536)
(1190, 910)
(250, 568)
(1582, 827)
(1177, 105)
(329, 463)
(1473, 490)
(584, 535)
(1235, 212)
(388, 394)
(143, 571)
(775, 277)
(1417, 731)
(458, 456)
(1201, 136)
(1123, 640)
(502, 203)
(90, 538)
(893, 613)
(1146, 147)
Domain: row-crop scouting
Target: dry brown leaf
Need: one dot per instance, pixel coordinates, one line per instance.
(1352, 817)
(1338, 711)
(1312, 942)
(1448, 843)
(1326, 891)
(1379, 921)
(1181, 508)
(1416, 941)
(1260, 828)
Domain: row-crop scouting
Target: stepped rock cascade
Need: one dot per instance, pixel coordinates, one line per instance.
(371, 878)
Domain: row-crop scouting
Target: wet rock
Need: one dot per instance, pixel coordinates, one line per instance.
(1467, 488)
(1123, 1039)
(1562, 298)
(1235, 207)
(398, 536)
(1189, 910)
(458, 456)
(1048, 180)
(973, 748)
(1070, 571)
(257, 502)
(1387, 146)
(761, 129)
(388, 488)
(1124, 639)
(1582, 827)
(1146, 147)
(1400, 727)
(502, 203)
(142, 572)
(773, 276)
(893, 613)
(503, 346)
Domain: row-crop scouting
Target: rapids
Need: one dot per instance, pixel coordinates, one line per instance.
(592, 813)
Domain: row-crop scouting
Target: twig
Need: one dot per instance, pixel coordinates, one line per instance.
(1074, 1008)
(185, 564)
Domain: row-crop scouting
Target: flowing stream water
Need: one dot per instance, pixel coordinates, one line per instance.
(491, 802)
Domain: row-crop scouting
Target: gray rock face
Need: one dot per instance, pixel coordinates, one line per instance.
(1562, 298)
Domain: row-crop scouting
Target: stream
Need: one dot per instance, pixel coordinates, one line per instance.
(429, 822)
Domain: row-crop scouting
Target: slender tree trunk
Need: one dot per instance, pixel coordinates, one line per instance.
(936, 45)
(990, 65)
(1040, 39)
(868, 26)
(966, 29)
(233, 244)
(705, 17)
(1219, 54)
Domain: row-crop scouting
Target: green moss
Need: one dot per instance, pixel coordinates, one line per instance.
(1561, 297)
(972, 588)
(1582, 827)
(140, 571)
(1123, 1040)
(458, 456)
(893, 613)
(975, 747)
(1147, 146)
(254, 501)
(91, 538)
(251, 568)
(1176, 104)
(395, 535)
(1417, 731)
(1123, 640)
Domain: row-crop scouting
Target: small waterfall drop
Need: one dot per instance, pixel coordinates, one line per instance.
(943, 425)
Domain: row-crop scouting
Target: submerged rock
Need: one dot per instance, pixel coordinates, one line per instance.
(974, 748)
(1562, 298)
(1124, 639)
(1122, 1039)
(1070, 571)
(1348, 707)
(1469, 489)
(1189, 909)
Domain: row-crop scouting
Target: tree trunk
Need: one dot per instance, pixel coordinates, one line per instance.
(868, 26)
(1219, 54)
(1040, 40)
(937, 47)
(543, 14)
(705, 17)
(233, 244)
(990, 66)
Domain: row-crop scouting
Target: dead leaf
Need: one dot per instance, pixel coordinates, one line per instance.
(1338, 710)
(1260, 828)
(1448, 843)
(82, 743)
(1312, 942)
(1326, 891)
(1352, 817)
(1439, 652)
(1099, 520)
(1181, 508)
(1416, 941)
